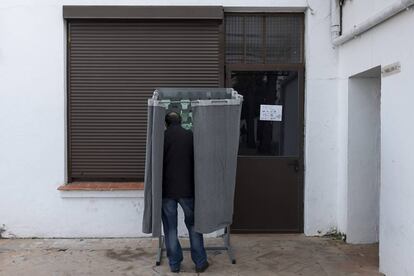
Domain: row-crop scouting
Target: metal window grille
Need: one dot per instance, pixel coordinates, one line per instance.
(264, 39)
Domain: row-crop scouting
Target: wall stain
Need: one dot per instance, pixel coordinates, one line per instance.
(2, 230)
(126, 255)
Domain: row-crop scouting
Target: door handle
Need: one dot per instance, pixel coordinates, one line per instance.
(295, 165)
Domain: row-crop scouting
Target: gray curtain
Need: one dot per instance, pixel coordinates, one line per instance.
(153, 170)
(216, 141)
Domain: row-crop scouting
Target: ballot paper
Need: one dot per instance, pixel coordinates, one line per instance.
(270, 112)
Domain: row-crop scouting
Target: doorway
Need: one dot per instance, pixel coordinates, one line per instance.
(364, 156)
(269, 183)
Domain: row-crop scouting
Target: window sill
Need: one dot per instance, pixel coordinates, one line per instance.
(102, 190)
(102, 186)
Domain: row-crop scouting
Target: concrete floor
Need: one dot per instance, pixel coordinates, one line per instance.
(256, 255)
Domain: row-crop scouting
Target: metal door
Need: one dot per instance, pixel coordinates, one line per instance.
(269, 187)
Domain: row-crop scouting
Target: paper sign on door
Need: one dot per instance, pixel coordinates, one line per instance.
(271, 112)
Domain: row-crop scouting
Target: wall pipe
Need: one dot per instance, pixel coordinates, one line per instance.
(335, 19)
(366, 25)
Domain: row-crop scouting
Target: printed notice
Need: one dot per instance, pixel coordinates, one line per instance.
(270, 112)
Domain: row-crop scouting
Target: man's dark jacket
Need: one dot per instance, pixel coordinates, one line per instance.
(178, 168)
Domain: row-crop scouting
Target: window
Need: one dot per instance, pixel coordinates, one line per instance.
(264, 39)
(114, 67)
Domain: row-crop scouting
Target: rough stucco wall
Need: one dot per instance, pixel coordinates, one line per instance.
(321, 132)
(388, 43)
(342, 185)
(358, 11)
(32, 119)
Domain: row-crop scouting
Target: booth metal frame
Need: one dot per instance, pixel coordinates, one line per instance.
(226, 236)
(226, 247)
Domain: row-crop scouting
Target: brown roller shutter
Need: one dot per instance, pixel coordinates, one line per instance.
(113, 69)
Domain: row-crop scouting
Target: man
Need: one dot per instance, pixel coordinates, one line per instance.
(178, 187)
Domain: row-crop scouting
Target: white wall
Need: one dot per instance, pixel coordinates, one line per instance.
(321, 129)
(32, 120)
(390, 42)
(357, 11)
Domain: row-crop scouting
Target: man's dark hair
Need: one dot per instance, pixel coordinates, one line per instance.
(172, 118)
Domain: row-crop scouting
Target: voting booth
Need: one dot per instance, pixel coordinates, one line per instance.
(213, 114)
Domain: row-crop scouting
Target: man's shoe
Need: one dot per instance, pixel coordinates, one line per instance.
(202, 268)
(175, 270)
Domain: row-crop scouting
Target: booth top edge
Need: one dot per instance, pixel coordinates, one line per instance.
(186, 93)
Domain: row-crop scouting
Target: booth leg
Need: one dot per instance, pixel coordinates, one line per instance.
(231, 255)
(228, 246)
(159, 252)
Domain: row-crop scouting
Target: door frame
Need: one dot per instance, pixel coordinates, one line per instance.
(300, 68)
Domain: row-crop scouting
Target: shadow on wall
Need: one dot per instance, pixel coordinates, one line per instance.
(364, 156)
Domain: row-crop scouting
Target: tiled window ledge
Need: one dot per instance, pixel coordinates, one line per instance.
(102, 190)
(102, 186)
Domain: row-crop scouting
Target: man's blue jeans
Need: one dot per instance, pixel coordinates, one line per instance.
(169, 221)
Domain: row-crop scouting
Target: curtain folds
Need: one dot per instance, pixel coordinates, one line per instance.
(216, 141)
